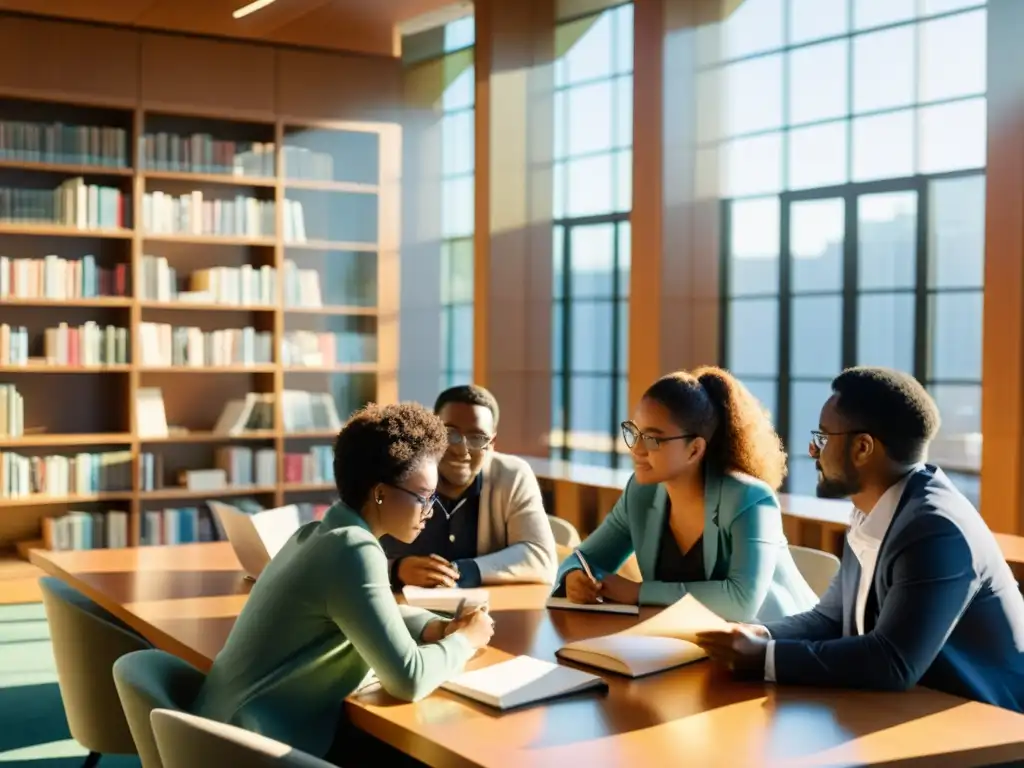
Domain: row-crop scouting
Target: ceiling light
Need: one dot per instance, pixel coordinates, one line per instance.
(251, 8)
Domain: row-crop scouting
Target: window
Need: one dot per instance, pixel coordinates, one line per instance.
(851, 155)
(457, 180)
(592, 176)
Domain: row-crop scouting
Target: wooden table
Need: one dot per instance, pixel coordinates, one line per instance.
(185, 600)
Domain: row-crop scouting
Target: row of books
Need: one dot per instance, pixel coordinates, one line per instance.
(202, 153)
(86, 530)
(67, 143)
(12, 411)
(192, 214)
(242, 286)
(186, 525)
(164, 345)
(61, 476)
(301, 286)
(72, 204)
(87, 345)
(309, 348)
(247, 466)
(57, 278)
(315, 466)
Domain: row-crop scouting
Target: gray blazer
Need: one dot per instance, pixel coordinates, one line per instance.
(944, 609)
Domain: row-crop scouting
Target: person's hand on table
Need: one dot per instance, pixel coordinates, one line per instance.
(429, 571)
(582, 589)
(619, 589)
(741, 648)
(477, 627)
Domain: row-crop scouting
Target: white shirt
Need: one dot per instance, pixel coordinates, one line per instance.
(865, 539)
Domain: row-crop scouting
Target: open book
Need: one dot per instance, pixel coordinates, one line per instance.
(444, 600)
(662, 642)
(256, 538)
(520, 681)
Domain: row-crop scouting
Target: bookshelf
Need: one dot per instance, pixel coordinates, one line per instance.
(277, 235)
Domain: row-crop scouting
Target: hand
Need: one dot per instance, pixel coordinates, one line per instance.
(580, 588)
(477, 627)
(741, 648)
(429, 571)
(619, 589)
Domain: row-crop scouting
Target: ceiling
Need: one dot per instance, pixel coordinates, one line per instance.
(366, 26)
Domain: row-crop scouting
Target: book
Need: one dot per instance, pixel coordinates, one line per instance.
(520, 681)
(443, 600)
(564, 603)
(662, 642)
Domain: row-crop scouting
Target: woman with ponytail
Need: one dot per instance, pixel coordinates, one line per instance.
(700, 511)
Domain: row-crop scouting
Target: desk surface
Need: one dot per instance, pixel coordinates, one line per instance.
(185, 600)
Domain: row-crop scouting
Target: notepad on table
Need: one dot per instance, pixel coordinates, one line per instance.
(662, 642)
(520, 681)
(445, 600)
(564, 603)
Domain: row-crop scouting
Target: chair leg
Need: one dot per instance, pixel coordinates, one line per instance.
(91, 760)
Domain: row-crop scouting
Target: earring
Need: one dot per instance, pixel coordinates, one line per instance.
(379, 501)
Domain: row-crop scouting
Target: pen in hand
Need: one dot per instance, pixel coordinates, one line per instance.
(586, 570)
(458, 610)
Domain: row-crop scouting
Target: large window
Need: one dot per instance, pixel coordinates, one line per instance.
(847, 140)
(457, 179)
(593, 139)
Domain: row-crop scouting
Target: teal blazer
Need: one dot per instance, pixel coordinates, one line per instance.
(750, 574)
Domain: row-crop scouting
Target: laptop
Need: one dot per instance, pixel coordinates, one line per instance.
(256, 537)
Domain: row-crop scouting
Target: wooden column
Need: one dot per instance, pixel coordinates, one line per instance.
(674, 285)
(1002, 396)
(512, 242)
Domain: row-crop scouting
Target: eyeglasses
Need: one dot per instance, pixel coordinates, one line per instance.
(474, 442)
(631, 434)
(426, 502)
(819, 438)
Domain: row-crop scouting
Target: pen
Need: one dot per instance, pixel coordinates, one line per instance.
(586, 570)
(458, 610)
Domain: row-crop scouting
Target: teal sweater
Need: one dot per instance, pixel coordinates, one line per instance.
(319, 618)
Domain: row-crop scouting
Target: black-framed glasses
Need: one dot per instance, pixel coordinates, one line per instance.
(426, 502)
(819, 437)
(632, 435)
(473, 442)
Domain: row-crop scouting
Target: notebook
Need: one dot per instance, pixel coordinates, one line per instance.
(520, 681)
(444, 600)
(662, 642)
(567, 604)
(257, 537)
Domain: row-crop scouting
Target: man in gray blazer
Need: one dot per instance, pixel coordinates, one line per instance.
(488, 525)
(923, 595)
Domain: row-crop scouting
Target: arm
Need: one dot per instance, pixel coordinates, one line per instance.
(756, 534)
(530, 554)
(361, 604)
(823, 622)
(933, 582)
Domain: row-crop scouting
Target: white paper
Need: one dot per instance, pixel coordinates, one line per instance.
(445, 600)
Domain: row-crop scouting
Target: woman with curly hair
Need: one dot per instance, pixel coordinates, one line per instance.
(322, 616)
(700, 511)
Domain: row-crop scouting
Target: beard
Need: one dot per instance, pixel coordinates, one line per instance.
(838, 487)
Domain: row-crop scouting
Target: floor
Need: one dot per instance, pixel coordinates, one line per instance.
(33, 729)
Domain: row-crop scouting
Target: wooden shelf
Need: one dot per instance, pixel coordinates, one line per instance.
(314, 435)
(41, 500)
(209, 178)
(58, 230)
(332, 186)
(211, 437)
(64, 369)
(186, 306)
(309, 487)
(41, 440)
(170, 237)
(100, 301)
(69, 168)
(185, 493)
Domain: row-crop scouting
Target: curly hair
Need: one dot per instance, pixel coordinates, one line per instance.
(384, 444)
(468, 394)
(712, 403)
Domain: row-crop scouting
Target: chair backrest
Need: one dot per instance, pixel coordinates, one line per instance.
(565, 532)
(187, 741)
(87, 640)
(817, 567)
(148, 680)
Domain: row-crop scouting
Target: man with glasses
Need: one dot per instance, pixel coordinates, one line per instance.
(487, 525)
(923, 595)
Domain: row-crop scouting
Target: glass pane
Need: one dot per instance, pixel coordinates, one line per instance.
(817, 229)
(591, 336)
(592, 260)
(885, 330)
(459, 93)
(959, 441)
(953, 56)
(754, 26)
(803, 474)
(457, 202)
(559, 191)
(589, 56)
(460, 271)
(883, 146)
(875, 13)
(766, 392)
(818, 82)
(557, 261)
(557, 404)
(817, 156)
(558, 336)
(753, 95)
(753, 344)
(754, 247)
(814, 19)
(930, 7)
(805, 401)
(953, 136)
(623, 23)
(624, 410)
(462, 337)
(955, 320)
(624, 235)
(624, 181)
(752, 166)
(460, 33)
(457, 143)
(622, 364)
(591, 412)
(624, 112)
(589, 186)
(708, 105)
(887, 240)
(956, 232)
(816, 337)
(445, 361)
(968, 485)
(590, 118)
(591, 458)
(560, 131)
(883, 69)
